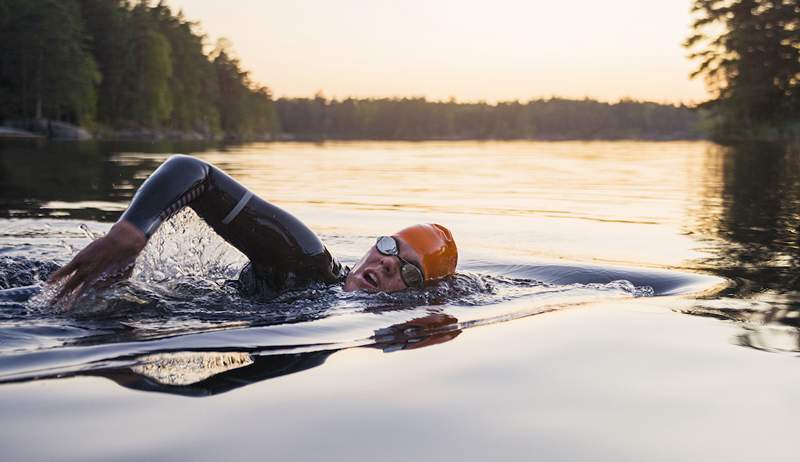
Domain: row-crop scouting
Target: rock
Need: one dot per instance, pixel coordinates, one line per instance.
(52, 129)
(8, 132)
(65, 131)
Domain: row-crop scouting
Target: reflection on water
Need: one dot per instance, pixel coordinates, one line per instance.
(697, 207)
(749, 224)
(757, 221)
(189, 367)
(149, 319)
(63, 179)
(622, 202)
(206, 373)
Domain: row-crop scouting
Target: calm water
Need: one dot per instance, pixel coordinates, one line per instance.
(615, 300)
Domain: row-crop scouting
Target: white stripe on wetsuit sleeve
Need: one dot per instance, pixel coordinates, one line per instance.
(242, 202)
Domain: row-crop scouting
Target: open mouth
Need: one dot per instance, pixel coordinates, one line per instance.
(370, 278)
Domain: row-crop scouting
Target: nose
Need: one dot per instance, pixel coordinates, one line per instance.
(388, 263)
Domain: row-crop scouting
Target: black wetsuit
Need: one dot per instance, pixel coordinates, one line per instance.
(284, 254)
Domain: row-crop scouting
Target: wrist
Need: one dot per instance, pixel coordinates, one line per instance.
(127, 234)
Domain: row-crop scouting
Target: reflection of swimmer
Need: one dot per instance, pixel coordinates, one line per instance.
(418, 333)
(284, 254)
(206, 373)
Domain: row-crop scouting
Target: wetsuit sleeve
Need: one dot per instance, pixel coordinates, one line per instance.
(273, 239)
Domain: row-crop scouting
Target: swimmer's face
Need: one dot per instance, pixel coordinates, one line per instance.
(380, 273)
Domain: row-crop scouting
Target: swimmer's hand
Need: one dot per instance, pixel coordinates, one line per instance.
(109, 255)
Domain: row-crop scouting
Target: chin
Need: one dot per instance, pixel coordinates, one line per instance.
(350, 285)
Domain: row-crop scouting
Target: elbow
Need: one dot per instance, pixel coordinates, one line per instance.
(183, 160)
(186, 166)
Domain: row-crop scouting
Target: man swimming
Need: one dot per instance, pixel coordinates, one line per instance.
(284, 254)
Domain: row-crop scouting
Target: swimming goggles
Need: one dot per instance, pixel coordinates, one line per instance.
(411, 274)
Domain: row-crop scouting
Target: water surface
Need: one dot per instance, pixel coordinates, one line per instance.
(613, 298)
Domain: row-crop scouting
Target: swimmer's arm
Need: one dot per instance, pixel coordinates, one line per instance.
(176, 183)
(265, 233)
(262, 231)
(172, 186)
(111, 254)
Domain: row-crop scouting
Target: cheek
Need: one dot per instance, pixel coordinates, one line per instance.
(395, 284)
(360, 264)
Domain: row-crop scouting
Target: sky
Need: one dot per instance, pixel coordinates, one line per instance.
(485, 50)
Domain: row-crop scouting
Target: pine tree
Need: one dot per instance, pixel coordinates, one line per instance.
(46, 71)
(749, 55)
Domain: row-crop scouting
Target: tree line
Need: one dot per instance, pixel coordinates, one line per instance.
(121, 64)
(127, 65)
(417, 118)
(748, 52)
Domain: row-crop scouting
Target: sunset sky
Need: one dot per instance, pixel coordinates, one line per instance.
(470, 50)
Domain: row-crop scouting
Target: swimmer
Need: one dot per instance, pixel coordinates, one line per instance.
(284, 253)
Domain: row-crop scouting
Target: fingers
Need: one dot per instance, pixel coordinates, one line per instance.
(67, 301)
(77, 280)
(75, 264)
(73, 273)
(64, 271)
(103, 257)
(88, 275)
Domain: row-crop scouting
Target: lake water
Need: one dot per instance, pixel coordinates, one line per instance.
(615, 301)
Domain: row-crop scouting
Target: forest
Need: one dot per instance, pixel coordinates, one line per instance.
(748, 52)
(118, 66)
(546, 119)
(124, 66)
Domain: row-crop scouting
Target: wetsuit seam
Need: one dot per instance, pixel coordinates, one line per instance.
(186, 199)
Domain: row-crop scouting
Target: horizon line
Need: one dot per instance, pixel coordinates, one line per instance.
(456, 100)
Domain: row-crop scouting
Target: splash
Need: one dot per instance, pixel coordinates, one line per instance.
(179, 296)
(184, 249)
(186, 272)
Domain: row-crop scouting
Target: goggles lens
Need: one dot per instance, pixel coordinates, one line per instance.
(387, 245)
(411, 274)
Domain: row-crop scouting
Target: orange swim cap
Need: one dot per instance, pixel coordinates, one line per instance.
(436, 249)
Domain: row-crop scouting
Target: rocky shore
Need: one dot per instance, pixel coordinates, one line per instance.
(16, 133)
(43, 128)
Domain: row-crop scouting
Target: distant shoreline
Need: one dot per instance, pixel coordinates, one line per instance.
(7, 133)
(68, 132)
